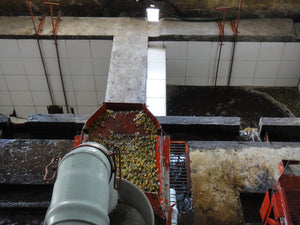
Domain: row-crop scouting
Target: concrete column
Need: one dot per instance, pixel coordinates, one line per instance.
(128, 66)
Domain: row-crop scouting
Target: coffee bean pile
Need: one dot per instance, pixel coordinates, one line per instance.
(138, 160)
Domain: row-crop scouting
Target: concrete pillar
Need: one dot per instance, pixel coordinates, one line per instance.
(128, 65)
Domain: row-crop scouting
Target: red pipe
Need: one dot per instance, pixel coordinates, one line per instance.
(239, 15)
(31, 13)
(41, 25)
(55, 28)
(235, 35)
(221, 28)
(41, 54)
(58, 61)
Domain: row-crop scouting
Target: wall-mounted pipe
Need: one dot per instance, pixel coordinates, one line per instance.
(233, 52)
(41, 54)
(55, 28)
(222, 32)
(83, 192)
(234, 28)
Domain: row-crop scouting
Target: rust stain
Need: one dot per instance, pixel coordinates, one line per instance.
(219, 175)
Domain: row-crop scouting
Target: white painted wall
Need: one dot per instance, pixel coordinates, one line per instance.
(156, 79)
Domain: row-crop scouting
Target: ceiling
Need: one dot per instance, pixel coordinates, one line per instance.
(181, 9)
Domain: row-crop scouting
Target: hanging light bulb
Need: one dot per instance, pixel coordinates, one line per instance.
(152, 14)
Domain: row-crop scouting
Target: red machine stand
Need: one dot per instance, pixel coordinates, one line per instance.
(281, 205)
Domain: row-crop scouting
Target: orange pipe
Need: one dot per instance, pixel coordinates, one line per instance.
(31, 13)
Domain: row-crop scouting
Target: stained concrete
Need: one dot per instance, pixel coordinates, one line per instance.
(200, 127)
(190, 8)
(199, 120)
(249, 30)
(221, 170)
(25, 159)
(57, 118)
(287, 129)
(128, 64)
(90, 27)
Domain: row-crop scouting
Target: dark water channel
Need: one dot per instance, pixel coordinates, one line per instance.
(248, 104)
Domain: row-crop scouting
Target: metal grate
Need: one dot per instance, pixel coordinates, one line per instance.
(180, 175)
(293, 202)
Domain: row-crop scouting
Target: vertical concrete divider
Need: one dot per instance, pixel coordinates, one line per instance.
(128, 65)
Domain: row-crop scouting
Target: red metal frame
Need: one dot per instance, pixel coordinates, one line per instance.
(188, 167)
(187, 163)
(276, 200)
(120, 124)
(162, 155)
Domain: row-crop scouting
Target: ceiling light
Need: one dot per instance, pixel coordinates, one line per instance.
(152, 14)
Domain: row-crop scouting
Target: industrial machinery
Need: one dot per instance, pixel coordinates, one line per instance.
(119, 166)
(281, 205)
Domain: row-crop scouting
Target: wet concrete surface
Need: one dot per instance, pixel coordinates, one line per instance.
(184, 128)
(4, 121)
(221, 171)
(42, 130)
(280, 129)
(57, 118)
(24, 160)
(246, 103)
(290, 97)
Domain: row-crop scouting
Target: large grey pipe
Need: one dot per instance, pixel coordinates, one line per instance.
(83, 192)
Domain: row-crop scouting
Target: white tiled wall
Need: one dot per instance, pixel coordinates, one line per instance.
(255, 63)
(85, 66)
(156, 80)
(23, 86)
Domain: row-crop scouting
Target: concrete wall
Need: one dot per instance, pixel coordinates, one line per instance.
(190, 8)
(191, 61)
(221, 170)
